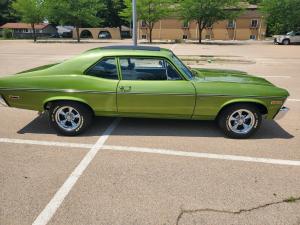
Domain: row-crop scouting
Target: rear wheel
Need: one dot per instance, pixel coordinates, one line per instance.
(70, 118)
(240, 120)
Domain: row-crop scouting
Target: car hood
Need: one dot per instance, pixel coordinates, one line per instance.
(229, 76)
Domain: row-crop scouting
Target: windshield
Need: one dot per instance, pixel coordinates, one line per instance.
(183, 67)
(290, 33)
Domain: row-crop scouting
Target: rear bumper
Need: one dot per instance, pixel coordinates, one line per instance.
(2, 102)
(281, 113)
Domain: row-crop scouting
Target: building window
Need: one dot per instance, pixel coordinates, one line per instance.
(208, 37)
(184, 36)
(143, 23)
(185, 24)
(209, 26)
(231, 24)
(144, 36)
(254, 23)
(252, 37)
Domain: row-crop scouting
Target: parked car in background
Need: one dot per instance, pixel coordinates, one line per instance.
(150, 82)
(290, 38)
(104, 35)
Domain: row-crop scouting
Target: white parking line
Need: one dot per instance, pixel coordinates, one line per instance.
(60, 195)
(293, 100)
(45, 143)
(275, 76)
(157, 151)
(203, 155)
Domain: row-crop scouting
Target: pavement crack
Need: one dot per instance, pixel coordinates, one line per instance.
(240, 211)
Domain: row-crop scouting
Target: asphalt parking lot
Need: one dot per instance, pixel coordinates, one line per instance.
(146, 171)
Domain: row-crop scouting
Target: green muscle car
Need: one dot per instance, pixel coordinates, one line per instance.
(128, 81)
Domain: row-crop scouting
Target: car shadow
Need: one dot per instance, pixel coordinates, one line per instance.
(158, 127)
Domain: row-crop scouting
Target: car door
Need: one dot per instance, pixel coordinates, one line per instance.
(102, 79)
(153, 87)
(297, 37)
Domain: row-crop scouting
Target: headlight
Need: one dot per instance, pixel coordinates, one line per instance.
(2, 101)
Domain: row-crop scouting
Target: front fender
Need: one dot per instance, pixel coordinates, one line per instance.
(245, 100)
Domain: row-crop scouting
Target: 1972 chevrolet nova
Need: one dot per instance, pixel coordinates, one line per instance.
(142, 81)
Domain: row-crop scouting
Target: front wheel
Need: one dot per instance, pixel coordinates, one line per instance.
(286, 42)
(70, 118)
(240, 121)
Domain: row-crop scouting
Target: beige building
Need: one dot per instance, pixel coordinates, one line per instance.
(98, 33)
(249, 25)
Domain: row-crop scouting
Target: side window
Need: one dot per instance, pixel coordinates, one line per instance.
(172, 74)
(297, 33)
(106, 68)
(147, 69)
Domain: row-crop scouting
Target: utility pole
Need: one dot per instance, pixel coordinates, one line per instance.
(134, 32)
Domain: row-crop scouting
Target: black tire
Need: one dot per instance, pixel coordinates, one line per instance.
(225, 120)
(82, 117)
(286, 42)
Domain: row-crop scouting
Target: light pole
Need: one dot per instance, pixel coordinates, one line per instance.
(134, 32)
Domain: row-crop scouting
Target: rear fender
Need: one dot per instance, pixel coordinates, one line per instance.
(63, 98)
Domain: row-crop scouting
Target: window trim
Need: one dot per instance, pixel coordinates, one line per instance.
(253, 35)
(101, 59)
(257, 23)
(183, 78)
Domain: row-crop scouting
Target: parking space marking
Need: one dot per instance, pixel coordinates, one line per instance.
(271, 76)
(155, 151)
(47, 213)
(203, 155)
(45, 143)
(293, 100)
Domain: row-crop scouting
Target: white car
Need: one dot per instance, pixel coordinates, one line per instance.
(289, 38)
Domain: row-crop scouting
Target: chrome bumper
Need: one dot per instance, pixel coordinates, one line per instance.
(2, 102)
(281, 113)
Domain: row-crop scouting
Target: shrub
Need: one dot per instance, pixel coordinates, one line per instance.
(7, 34)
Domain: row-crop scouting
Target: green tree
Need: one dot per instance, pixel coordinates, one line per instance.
(74, 12)
(30, 11)
(207, 12)
(148, 11)
(111, 16)
(6, 14)
(281, 15)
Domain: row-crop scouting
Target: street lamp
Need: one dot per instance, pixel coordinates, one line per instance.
(134, 33)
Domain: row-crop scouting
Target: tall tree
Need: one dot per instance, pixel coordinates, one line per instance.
(148, 11)
(6, 14)
(281, 15)
(74, 12)
(30, 11)
(111, 17)
(207, 12)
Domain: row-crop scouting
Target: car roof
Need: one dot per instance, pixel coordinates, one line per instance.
(132, 47)
(80, 63)
(128, 50)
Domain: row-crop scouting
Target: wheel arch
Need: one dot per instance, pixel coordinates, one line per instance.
(289, 40)
(47, 103)
(255, 102)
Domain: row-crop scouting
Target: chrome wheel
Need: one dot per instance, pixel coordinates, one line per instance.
(241, 121)
(67, 118)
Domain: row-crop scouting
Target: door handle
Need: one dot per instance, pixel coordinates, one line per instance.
(125, 88)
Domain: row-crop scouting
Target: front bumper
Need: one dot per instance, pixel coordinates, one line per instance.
(2, 101)
(281, 113)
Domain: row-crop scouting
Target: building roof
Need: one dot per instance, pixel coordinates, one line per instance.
(24, 25)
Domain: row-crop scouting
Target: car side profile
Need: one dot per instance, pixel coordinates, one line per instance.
(290, 38)
(148, 82)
